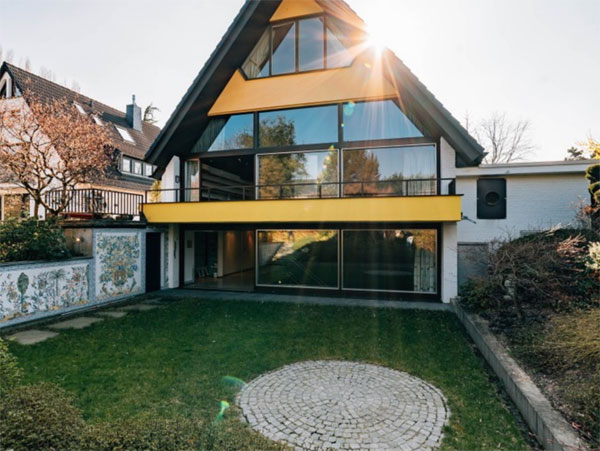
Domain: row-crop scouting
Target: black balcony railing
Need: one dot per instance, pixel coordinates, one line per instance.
(311, 190)
(96, 202)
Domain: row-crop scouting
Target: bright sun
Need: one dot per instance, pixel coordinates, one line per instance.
(377, 38)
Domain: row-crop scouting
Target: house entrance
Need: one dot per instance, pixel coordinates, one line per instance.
(219, 260)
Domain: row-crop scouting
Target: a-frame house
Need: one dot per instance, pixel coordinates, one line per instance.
(304, 159)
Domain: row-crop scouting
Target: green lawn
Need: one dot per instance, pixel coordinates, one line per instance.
(170, 361)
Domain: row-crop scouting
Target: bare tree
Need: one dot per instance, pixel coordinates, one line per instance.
(75, 86)
(504, 140)
(1, 53)
(47, 74)
(150, 114)
(27, 66)
(10, 55)
(48, 145)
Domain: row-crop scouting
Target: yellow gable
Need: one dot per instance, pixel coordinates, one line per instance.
(296, 8)
(364, 80)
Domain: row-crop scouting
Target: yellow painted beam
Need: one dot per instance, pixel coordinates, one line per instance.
(374, 209)
(289, 9)
(361, 81)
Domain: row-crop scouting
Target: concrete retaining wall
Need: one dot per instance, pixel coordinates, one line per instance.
(550, 428)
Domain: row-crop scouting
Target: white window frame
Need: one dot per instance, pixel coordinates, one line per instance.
(124, 134)
(123, 169)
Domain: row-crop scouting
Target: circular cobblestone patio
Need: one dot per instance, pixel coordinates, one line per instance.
(345, 405)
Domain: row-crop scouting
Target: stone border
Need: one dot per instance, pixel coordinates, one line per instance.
(550, 428)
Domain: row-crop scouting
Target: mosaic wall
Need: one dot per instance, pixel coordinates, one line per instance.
(29, 290)
(118, 264)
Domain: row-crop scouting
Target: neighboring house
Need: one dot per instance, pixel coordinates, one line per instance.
(122, 190)
(503, 201)
(303, 159)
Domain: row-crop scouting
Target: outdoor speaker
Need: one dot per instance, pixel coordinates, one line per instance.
(491, 198)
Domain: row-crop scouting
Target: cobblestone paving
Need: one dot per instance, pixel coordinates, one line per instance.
(345, 405)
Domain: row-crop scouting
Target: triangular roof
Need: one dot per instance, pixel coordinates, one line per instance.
(187, 122)
(46, 89)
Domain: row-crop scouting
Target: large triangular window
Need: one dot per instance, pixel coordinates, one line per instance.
(303, 45)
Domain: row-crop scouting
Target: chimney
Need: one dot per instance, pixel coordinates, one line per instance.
(134, 115)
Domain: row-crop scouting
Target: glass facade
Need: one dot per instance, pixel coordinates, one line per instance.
(228, 133)
(400, 171)
(298, 175)
(283, 44)
(297, 258)
(313, 125)
(303, 45)
(311, 51)
(390, 260)
(366, 121)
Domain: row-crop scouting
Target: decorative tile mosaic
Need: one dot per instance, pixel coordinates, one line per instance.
(118, 264)
(25, 291)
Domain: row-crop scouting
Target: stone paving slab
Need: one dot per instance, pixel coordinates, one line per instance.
(156, 301)
(139, 307)
(345, 405)
(76, 323)
(32, 336)
(112, 313)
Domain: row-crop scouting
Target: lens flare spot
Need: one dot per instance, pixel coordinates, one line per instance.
(223, 405)
(233, 382)
(349, 108)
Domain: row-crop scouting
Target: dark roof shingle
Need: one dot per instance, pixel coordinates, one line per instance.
(46, 89)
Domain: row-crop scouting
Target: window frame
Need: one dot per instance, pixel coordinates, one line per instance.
(337, 230)
(129, 160)
(325, 18)
(260, 148)
(438, 252)
(257, 187)
(427, 138)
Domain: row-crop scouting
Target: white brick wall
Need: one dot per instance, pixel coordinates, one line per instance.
(534, 202)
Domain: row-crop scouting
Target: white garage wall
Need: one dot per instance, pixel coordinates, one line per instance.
(534, 202)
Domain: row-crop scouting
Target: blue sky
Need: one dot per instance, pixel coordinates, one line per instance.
(533, 59)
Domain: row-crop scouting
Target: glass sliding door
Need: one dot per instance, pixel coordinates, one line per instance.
(391, 171)
(390, 260)
(298, 175)
(192, 181)
(297, 258)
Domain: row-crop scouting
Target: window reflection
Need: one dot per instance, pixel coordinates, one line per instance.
(284, 49)
(365, 121)
(298, 175)
(310, 44)
(306, 258)
(404, 171)
(228, 133)
(312, 125)
(390, 260)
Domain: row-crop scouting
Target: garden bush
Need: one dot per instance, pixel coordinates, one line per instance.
(30, 239)
(10, 372)
(546, 270)
(144, 434)
(40, 417)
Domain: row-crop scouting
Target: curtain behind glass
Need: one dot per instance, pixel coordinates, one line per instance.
(257, 64)
(192, 180)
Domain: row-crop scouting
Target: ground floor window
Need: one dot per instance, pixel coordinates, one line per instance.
(403, 260)
(390, 260)
(300, 258)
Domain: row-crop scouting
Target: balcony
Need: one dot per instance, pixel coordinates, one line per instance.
(411, 200)
(92, 203)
